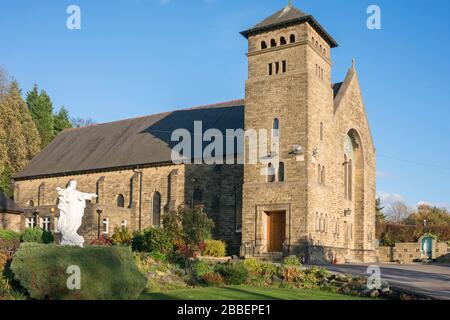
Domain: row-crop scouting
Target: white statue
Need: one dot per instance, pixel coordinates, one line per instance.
(71, 207)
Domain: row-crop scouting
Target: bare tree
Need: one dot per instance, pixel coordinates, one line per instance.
(398, 212)
(81, 122)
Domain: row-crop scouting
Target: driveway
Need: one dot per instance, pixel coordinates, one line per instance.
(428, 280)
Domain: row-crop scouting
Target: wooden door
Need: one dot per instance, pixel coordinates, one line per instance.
(276, 231)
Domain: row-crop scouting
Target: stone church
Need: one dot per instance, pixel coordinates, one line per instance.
(319, 203)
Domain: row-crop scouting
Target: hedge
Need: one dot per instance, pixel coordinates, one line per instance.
(107, 273)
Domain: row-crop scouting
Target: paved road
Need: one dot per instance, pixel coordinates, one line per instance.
(429, 280)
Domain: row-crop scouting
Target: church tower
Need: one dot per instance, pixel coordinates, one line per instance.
(289, 89)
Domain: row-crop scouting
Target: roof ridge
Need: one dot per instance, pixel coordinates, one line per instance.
(226, 104)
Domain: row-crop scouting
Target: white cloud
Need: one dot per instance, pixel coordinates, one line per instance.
(390, 198)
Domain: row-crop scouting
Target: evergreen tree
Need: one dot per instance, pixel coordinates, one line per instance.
(41, 109)
(61, 121)
(379, 210)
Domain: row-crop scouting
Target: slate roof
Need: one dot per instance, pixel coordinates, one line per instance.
(336, 87)
(289, 16)
(7, 205)
(128, 143)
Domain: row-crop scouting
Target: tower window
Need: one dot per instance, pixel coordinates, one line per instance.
(263, 45)
(284, 66)
(283, 41)
(321, 131)
(273, 43)
(281, 172)
(292, 38)
(270, 69)
(277, 67)
(270, 173)
(322, 176)
(276, 126)
(319, 173)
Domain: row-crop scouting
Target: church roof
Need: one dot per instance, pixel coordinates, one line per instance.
(7, 205)
(287, 16)
(128, 143)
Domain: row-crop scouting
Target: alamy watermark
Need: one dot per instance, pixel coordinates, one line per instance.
(374, 20)
(73, 22)
(74, 280)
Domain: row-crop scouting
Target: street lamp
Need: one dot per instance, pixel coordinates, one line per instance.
(99, 213)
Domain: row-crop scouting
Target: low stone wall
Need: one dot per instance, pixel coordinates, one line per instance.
(411, 252)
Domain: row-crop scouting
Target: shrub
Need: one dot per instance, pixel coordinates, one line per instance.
(292, 261)
(172, 224)
(158, 256)
(9, 247)
(121, 236)
(101, 242)
(9, 235)
(200, 268)
(233, 273)
(291, 273)
(213, 279)
(214, 248)
(153, 239)
(196, 226)
(107, 273)
(37, 235)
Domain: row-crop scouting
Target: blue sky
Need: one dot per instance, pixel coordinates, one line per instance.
(137, 57)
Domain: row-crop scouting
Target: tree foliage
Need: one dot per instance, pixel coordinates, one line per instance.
(41, 108)
(61, 121)
(19, 138)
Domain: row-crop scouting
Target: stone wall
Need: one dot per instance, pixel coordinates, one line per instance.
(411, 252)
(220, 185)
(10, 221)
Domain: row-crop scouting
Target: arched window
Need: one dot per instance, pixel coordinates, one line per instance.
(273, 43)
(120, 201)
(281, 172)
(292, 38)
(156, 221)
(345, 177)
(319, 173)
(350, 180)
(270, 173)
(322, 223)
(317, 222)
(263, 45)
(283, 41)
(238, 208)
(197, 197)
(321, 131)
(276, 127)
(317, 43)
(322, 176)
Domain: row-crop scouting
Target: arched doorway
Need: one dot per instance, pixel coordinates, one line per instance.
(354, 184)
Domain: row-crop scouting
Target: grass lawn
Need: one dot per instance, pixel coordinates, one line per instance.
(246, 293)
